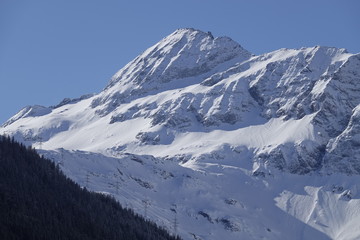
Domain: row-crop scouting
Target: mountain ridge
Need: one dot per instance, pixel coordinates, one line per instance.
(287, 83)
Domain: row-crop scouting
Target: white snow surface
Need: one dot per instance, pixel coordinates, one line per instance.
(231, 145)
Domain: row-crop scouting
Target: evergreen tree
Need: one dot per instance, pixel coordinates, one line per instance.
(37, 201)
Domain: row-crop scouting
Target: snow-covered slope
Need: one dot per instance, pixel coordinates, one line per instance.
(198, 128)
(222, 200)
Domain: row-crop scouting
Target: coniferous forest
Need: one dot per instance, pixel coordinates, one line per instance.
(37, 201)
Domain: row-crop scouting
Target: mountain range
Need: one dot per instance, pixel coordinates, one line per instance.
(211, 141)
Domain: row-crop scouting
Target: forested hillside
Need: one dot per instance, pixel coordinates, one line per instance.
(38, 202)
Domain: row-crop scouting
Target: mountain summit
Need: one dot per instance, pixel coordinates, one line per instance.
(184, 53)
(172, 62)
(202, 119)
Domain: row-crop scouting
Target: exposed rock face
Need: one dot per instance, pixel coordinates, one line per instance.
(343, 152)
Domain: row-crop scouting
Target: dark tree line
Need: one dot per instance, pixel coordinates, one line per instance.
(37, 201)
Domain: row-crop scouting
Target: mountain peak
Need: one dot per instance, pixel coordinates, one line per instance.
(187, 31)
(184, 53)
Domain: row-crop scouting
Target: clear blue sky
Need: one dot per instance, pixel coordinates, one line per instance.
(52, 49)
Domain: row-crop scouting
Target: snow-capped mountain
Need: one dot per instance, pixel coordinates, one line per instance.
(213, 142)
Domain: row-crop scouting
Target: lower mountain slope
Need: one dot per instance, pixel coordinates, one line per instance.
(221, 198)
(38, 202)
